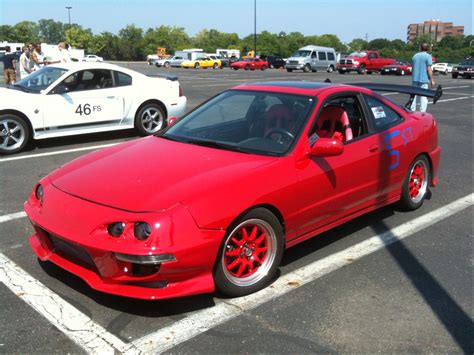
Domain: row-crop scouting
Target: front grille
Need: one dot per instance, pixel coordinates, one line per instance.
(345, 61)
(293, 62)
(72, 252)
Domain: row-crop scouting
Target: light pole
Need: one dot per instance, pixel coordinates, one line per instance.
(69, 16)
(254, 28)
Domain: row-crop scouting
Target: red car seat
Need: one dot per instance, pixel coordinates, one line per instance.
(330, 122)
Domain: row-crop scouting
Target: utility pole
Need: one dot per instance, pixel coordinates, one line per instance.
(367, 37)
(254, 28)
(69, 16)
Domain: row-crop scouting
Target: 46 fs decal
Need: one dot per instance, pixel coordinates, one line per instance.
(87, 109)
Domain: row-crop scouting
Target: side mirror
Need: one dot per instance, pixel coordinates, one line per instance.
(61, 90)
(326, 147)
(172, 120)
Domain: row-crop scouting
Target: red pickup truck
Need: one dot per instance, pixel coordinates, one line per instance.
(362, 62)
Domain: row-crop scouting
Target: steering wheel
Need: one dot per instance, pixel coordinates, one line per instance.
(280, 135)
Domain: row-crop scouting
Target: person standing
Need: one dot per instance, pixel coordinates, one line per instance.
(9, 66)
(25, 63)
(422, 75)
(37, 57)
(64, 55)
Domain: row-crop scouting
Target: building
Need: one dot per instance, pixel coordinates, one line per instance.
(436, 28)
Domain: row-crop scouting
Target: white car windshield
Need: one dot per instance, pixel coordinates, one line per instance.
(39, 80)
(302, 54)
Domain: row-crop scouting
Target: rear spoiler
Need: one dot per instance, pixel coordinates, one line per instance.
(164, 76)
(404, 89)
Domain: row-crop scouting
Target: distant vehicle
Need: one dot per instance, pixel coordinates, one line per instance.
(78, 98)
(443, 68)
(204, 62)
(465, 69)
(92, 58)
(275, 61)
(250, 64)
(397, 68)
(169, 62)
(312, 58)
(363, 62)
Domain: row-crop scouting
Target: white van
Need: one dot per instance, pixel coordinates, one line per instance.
(312, 58)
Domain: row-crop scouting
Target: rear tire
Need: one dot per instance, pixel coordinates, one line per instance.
(415, 186)
(330, 69)
(263, 67)
(196, 66)
(361, 69)
(150, 119)
(14, 134)
(247, 67)
(250, 253)
(454, 75)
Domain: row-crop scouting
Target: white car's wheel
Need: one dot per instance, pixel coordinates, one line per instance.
(14, 134)
(150, 119)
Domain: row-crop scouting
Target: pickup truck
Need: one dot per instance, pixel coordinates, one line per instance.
(363, 62)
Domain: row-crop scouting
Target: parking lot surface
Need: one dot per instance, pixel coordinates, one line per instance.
(388, 281)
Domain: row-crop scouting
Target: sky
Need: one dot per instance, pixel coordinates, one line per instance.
(344, 18)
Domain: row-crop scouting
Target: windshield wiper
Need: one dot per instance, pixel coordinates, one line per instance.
(214, 144)
(21, 87)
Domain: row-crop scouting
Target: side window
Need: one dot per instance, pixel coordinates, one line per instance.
(122, 79)
(88, 80)
(382, 115)
(322, 55)
(330, 56)
(313, 54)
(372, 56)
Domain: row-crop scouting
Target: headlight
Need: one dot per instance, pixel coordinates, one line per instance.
(355, 62)
(142, 230)
(116, 229)
(39, 193)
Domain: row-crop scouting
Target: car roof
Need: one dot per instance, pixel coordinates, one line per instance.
(73, 66)
(297, 87)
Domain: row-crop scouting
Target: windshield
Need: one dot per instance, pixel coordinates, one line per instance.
(301, 54)
(40, 79)
(358, 54)
(251, 122)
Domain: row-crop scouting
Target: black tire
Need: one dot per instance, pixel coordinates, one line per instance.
(215, 66)
(263, 67)
(454, 75)
(307, 68)
(361, 69)
(150, 119)
(330, 69)
(382, 73)
(166, 64)
(235, 68)
(14, 134)
(259, 267)
(341, 71)
(196, 66)
(247, 67)
(402, 72)
(416, 184)
(272, 66)
(289, 70)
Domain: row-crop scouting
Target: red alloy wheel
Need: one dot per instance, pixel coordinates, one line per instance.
(249, 252)
(418, 183)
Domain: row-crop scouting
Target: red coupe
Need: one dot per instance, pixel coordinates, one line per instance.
(214, 200)
(250, 64)
(397, 68)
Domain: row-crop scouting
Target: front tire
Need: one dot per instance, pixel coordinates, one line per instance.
(289, 70)
(307, 68)
(150, 119)
(215, 66)
(14, 134)
(196, 66)
(263, 67)
(247, 67)
(415, 186)
(454, 75)
(361, 70)
(250, 253)
(330, 69)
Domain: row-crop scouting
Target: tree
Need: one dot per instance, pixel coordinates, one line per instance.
(378, 44)
(329, 40)
(50, 31)
(171, 38)
(7, 34)
(358, 44)
(26, 32)
(130, 43)
(79, 37)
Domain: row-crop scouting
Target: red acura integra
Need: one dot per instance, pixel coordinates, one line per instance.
(213, 201)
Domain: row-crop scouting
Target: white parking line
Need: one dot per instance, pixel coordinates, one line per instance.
(21, 157)
(199, 322)
(454, 99)
(81, 329)
(12, 216)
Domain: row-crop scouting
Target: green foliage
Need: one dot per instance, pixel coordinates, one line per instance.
(132, 43)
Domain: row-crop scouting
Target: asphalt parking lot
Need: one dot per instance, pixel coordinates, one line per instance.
(389, 281)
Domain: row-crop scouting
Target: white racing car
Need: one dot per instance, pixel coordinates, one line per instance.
(77, 98)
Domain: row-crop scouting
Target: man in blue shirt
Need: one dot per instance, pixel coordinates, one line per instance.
(422, 75)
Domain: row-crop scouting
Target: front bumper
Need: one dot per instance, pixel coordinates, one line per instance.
(69, 239)
(347, 68)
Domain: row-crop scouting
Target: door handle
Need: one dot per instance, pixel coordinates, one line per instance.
(373, 148)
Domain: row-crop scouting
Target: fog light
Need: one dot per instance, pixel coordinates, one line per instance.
(116, 229)
(39, 193)
(142, 230)
(146, 259)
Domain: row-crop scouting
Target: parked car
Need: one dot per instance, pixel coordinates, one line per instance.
(275, 61)
(76, 98)
(213, 201)
(250, 64)
(465, 69)
(397, 68)
(92, 58)
(443, 68)
(312, 58)
(203, 62)
(169, 62)
(363, 62)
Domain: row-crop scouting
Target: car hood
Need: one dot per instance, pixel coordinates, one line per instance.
(152, 174)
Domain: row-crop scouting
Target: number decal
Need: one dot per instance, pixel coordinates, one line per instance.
(87, 110)
(392, 151)
(405, 135)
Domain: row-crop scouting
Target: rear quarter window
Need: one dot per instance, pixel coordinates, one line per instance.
(381, 114)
